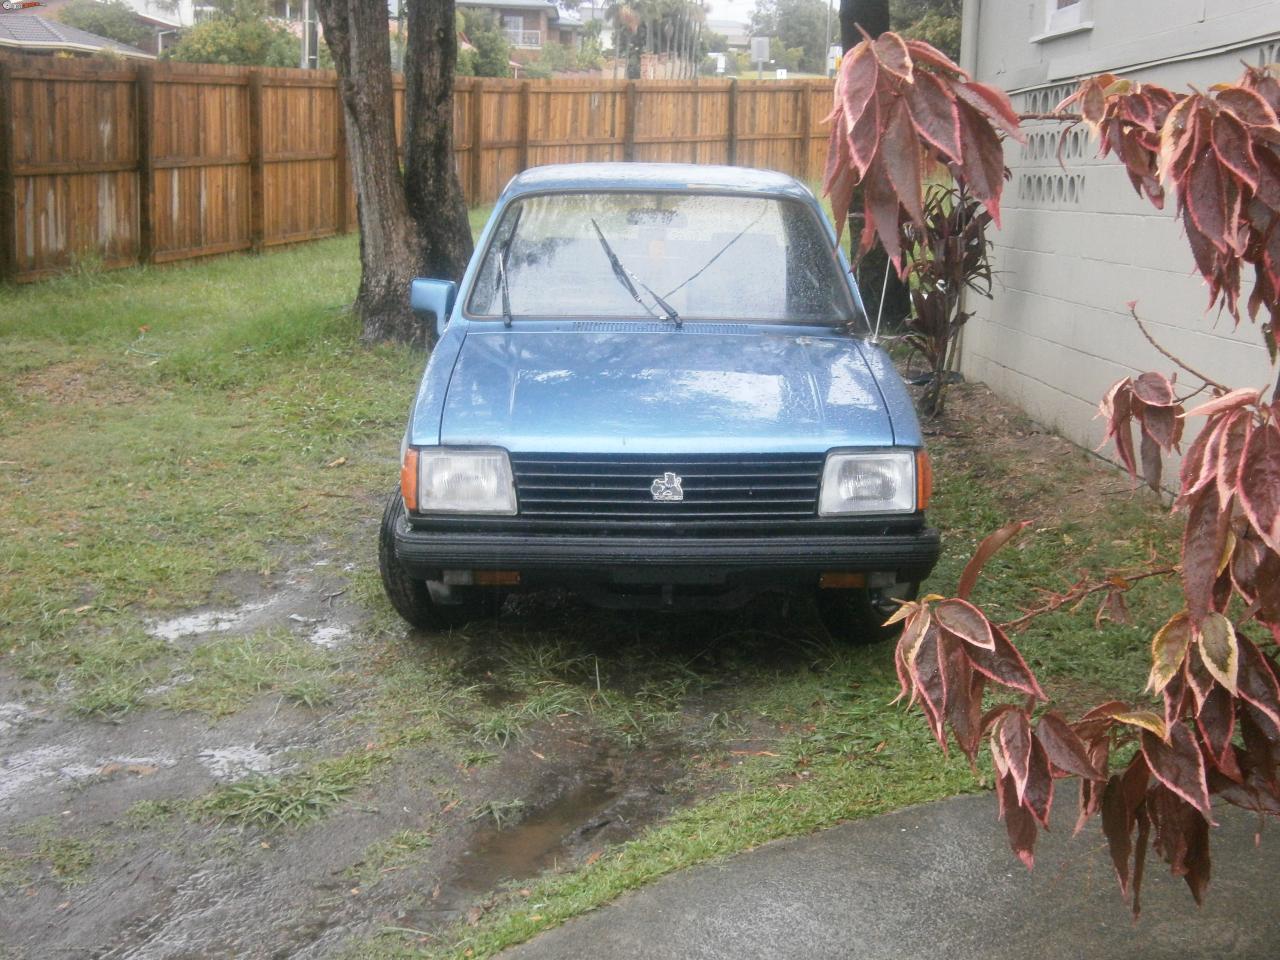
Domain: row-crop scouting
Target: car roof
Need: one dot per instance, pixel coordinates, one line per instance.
(654, 176)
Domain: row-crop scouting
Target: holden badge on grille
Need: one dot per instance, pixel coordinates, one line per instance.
(667, 488)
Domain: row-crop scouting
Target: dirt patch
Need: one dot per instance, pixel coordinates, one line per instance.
(78, 383)
(988, 436)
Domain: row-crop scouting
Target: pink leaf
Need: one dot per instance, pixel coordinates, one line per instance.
(935, 115)
(986, 550)
(1065, 749)
(1178, 765)
(1260, 483)
(900, 155)
(965, 621)
(1005, 665)
(892, 55)
(1228, 401)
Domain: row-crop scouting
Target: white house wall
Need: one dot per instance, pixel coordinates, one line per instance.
(1077, 243)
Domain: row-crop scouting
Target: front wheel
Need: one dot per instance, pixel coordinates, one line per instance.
(857, 616)
(411, 597)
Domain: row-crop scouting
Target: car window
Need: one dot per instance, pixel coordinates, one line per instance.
(710, 257)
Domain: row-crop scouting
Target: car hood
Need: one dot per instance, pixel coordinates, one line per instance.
(662, 390)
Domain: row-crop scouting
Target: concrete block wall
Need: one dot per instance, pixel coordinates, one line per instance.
(1077, 243)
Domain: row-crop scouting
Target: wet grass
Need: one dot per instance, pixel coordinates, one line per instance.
(292, 800)
(399, 851)
(45, 846)
(229, 672)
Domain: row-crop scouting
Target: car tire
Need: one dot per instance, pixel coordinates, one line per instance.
(857, 617)
(410, 596)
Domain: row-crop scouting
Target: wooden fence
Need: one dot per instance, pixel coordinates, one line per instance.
(150, 163)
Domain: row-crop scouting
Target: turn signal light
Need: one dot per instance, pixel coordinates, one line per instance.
(832, 580)
(924, 479)
(495, 578)
(409, 479)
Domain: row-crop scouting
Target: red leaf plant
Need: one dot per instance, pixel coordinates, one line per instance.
(1213, 730)
(1221, 152)
(904, 112)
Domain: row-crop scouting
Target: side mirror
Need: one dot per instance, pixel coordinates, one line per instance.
(435, 297)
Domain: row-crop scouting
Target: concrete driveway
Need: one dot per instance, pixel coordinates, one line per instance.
(938, 881)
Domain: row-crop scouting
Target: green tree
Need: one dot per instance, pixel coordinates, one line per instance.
(934, 21)
(239, 33)
(794, 24)
(493, 53)
(114, 19)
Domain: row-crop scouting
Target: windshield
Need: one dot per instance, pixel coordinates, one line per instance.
(695, 257)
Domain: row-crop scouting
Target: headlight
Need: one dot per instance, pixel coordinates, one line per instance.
(465, 481)
(879, 482)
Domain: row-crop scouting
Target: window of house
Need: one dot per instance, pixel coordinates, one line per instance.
(1065, 16)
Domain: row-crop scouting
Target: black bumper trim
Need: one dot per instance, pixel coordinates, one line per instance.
(424, 552)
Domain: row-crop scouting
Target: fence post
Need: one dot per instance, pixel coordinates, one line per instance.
(732, 148)
(629, 130)
(477, 142)
(697, 121)
(806, 129)
(144, 84)
(257, 166)
(341, 161)
(526, 107)
(8, 186)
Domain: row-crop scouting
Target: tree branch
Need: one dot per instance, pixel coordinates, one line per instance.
(1191, 370)
(1079, 592)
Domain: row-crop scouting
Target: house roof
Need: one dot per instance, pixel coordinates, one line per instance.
(565, 18)
(26, 31)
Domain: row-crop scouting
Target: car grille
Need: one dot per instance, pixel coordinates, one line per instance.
(718, 491)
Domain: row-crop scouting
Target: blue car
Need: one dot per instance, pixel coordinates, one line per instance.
(650, 388)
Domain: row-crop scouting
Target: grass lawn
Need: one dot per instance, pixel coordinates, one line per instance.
(167, 433)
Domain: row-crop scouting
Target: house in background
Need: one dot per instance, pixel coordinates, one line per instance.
(1077, 243)
(29, 33)
(531, 25)
(736, 33)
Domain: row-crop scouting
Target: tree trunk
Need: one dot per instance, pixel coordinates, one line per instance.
(356, 31)
(434, 194)
(871, 15)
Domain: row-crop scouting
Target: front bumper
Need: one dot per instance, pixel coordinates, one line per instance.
(639, 559)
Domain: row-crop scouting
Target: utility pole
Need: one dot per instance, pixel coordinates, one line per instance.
(826, 42)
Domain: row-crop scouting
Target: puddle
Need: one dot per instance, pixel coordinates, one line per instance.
(27, 770)
(541, 841)
(611, 798)
(236, 763)
(330, 635)
(211, 621)
(13, 716)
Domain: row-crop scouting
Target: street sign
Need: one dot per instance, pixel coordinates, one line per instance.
(759, 49)
(833, 57)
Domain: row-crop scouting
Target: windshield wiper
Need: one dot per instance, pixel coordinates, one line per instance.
(629, 280)
(502, 268)
(719, 253)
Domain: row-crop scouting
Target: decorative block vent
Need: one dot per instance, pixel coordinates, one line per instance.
(1044, 145)
(1269, 53)
(1059, 189)
(1046, 98)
